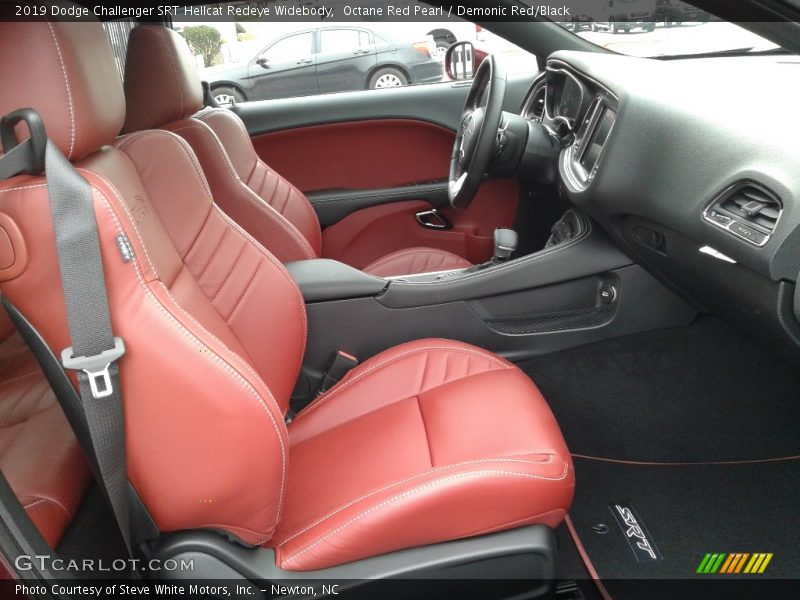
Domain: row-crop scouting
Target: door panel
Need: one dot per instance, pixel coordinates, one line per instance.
(332, 207)
(370, 233)
(354, 147)
(359, 155)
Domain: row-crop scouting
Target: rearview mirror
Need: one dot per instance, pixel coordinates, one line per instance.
(462, 60)
(263, 62)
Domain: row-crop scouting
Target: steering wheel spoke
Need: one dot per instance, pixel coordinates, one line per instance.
(476, 138)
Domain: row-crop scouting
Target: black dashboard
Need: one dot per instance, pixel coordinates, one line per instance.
(678, 163)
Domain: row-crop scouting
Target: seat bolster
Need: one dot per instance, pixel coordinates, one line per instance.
(413, 261)
(266, 190)
(472, 498)
(39, 455)
(268, 226)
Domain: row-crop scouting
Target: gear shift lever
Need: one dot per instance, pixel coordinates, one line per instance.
(505, 242)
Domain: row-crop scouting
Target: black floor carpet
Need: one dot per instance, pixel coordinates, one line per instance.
(688, 510)
(700, 393)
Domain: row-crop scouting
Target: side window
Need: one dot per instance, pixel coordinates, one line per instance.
(299, 45)
(260, 56)
(342, 40)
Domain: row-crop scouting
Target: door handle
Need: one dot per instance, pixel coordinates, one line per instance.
(433, 219)
(304, 61)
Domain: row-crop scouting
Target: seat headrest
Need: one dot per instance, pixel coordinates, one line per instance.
(66, 71)
(161, 80)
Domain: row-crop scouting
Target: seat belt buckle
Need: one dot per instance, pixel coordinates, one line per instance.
(96, 367)
(341, 364)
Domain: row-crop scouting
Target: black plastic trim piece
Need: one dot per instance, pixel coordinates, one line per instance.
(332, 206)
(437, 103)
(587, 253)
(322, 280)
(525, 553)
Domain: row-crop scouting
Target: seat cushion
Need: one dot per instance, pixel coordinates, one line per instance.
(413, 261)
(430, 441)
(39, 455)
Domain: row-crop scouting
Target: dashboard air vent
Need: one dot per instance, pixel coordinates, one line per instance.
(746, 210)
(753, 205)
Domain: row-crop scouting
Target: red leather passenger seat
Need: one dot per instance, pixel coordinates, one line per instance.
(163, 91)
(427, 442)
(39, 455)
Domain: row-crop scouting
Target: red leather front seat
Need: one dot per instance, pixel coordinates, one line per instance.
(163, 91)
(430, 441)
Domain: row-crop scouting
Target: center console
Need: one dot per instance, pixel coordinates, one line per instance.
(579, 289)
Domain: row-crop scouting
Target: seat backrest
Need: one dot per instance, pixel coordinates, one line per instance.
(213, 324)
(163, 90)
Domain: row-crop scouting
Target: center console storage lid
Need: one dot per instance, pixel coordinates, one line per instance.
(323, 280)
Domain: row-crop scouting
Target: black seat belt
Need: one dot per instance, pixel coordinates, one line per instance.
(95, 350)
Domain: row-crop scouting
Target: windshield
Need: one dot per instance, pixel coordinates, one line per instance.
(654, 28)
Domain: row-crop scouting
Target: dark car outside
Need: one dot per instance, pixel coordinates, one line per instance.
(626, 15)
(675, 12)
(328, 59)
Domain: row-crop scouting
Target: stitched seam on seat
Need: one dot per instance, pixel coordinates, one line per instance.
(232, 269)
(213, 356)
(279, 267)
(121, 142)
(205, 116)
(244, 292)
(346, 383)
(187, 150)
(7, 418)
(197, 236)
(425, 429)
(52, 500)
(130, 216)
(240, 123)
(213, 253)
(266, 208)
(412, 478)
(23, 187)
(288, 225)
(389, 501)
(5, 382)
(73, 134)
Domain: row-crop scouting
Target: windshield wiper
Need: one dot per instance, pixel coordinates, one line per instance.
(746, 51)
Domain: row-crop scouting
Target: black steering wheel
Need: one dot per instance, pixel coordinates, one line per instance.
(476, 139)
